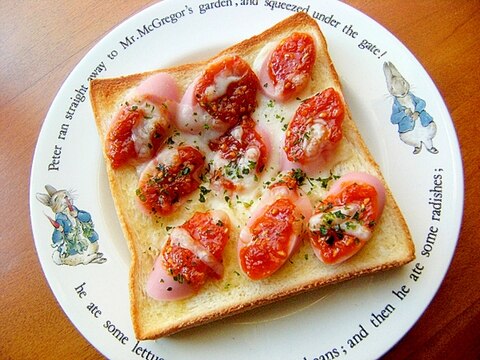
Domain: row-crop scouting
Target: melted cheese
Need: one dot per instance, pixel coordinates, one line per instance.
(314, 139)
(241, 173)
(343, 217)
(220, 86)
(193, 119)
(142, 131)
(182, 238)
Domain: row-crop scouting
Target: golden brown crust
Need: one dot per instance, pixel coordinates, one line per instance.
(152, 319)
(239, 308)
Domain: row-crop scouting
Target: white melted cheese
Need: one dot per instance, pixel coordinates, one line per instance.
(220, 85)
(142, 131)
(182, 238)
(191, 118)
(272, 118)
(168, 157)
(314, 138)
(237, 133)
(241, 173)
(343, 217)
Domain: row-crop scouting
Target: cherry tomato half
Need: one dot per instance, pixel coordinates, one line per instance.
(228, 90)
(316, 127)
(243, 155)
(136, 133)
(191, 260)
(274, 229)
(291, 64)
(271, 240)
(345, 219)
(169, 178)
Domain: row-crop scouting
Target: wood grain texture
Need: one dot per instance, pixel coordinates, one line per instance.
(42, 41)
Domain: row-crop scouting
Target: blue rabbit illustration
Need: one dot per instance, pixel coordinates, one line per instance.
(415, 125)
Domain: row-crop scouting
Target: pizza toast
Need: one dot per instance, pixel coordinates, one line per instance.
(234, 291)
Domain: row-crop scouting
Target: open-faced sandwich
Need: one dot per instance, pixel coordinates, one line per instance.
(242, 180)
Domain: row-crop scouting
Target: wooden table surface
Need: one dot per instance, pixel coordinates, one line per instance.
(40, 44)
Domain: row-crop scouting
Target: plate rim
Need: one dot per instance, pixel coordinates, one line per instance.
(452, 138)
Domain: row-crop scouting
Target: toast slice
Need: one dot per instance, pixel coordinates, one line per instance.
(391, 245)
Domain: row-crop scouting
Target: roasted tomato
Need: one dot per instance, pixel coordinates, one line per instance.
(274, 229)
(227, 90)
(315, 128)
(344, 221)
(169, 178)
(192, 254)
(289, 67)
(240, 155)
(192, 118)
(137, 132)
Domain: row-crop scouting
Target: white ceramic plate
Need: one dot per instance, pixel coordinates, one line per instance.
(359, 319)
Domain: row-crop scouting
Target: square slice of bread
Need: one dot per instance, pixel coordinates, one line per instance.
(391, 245)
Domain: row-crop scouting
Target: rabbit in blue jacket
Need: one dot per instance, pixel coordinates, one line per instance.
(415, 124)
(74, 238)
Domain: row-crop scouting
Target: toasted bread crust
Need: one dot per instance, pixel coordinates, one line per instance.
(390, 247)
